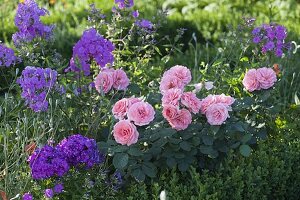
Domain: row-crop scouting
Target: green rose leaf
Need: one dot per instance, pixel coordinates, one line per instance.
(246, 138)
(207, 140)
(245, 150)
(171, 162)
(138, 174)
(185, 146)
(120, 160)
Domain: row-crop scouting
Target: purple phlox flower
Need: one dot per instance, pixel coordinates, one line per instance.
(91, 46)
(36, 83)
(27, 196)
(124, 3)
(256, 31)
(269, 45)
(271, 37)
(146, 24)
(256, 39)
(81, 150)
(29, 24)
(48, 162)
(135, 13)
(49, 193)
(7, 56)
(58, 188)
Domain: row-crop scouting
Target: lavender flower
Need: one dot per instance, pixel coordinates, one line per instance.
(49, 193)
(81, 150)
(27, 196)
(58, 188)
(271, 37)
(29, 24)
(47, 162)
(116, 180)
(7, 56)
(36, 83)
(124, 3)
(146, 24)
(91, 46)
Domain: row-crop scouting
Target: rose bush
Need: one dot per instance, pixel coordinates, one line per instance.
(142, 123)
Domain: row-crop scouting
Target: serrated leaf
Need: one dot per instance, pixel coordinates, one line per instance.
(185, 146)
(246, 138)
(138, 174)
(134, 152)
(207, 140)
(183, 167)
(171, 162)
(206, 149)
(120, 160)
(149, 169)
(245, 150)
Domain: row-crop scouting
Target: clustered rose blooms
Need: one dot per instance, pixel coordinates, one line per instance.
(110, 78)
(172, 87)
(131, 112)
(216, 107)
(257, 79)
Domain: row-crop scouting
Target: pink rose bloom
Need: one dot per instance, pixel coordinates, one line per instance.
(191, 101)
(120, 108)
(141, 113)
(125, 133)
(266, 77)
(171, 96)
(205, 103)
(182, 120)
(104, 82)
(121, 80)
(169, 82)
(227, 100)
(169, 112)
(133, 100)
(216, 114)
(181, 72)
(250, 81)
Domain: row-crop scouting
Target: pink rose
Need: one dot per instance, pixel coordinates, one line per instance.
(104, 82)
(121, 80)
(133, 100)
(266, 77)
(169, 82)
(181, 72)
(125, 133)
(205, 103)
(182, 120)
(120, 108)
(227, 100)
(190, 100)
(169, 112)
(141, 113)
(216, 114)
(250, 81)
(171, 96)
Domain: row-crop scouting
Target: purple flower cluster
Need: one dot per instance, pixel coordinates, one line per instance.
(91, 46)
(29, 24)
(48, 162)
(36, 83)
(81, 150)
(27, 196)
(145, 24)
(124, 3)
(272, 37)
(7, 56)
(116, 180)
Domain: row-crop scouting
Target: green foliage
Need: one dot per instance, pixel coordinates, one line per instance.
(271, 172)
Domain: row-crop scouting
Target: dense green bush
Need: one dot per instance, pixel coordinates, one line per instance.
(271, 172)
